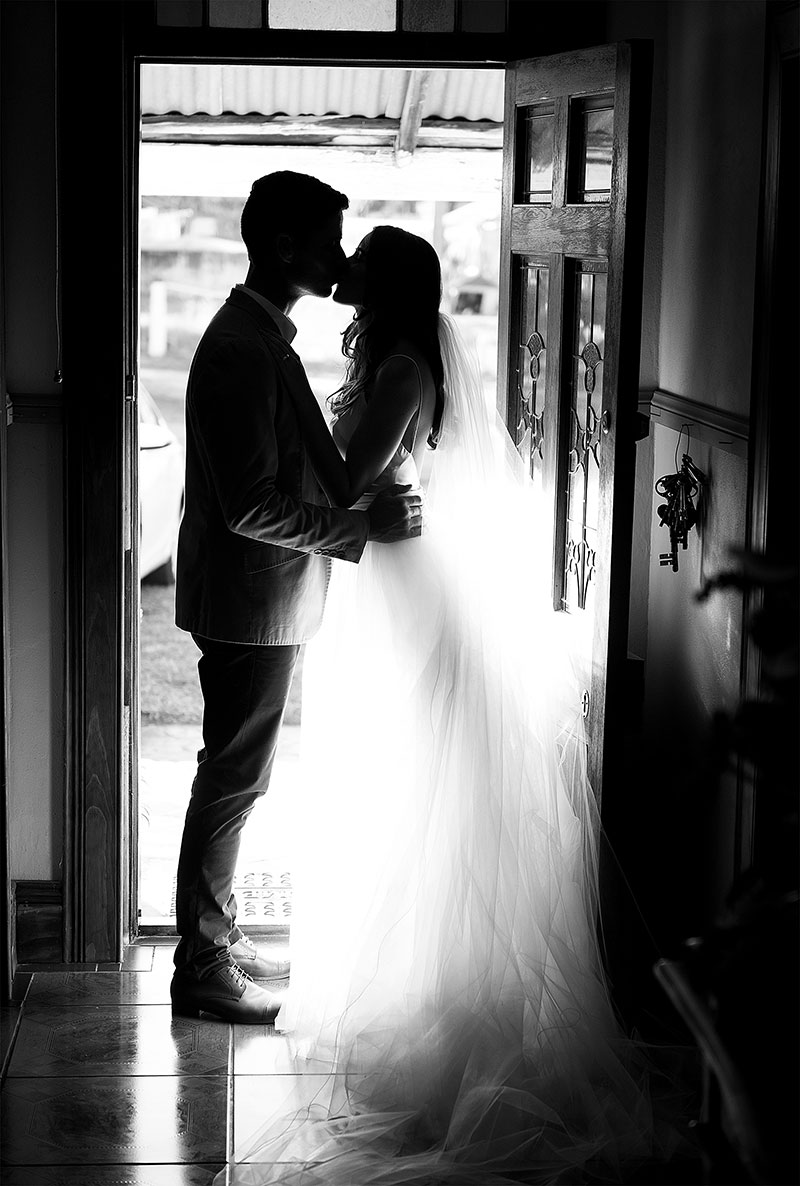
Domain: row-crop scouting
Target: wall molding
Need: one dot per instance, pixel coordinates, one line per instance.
(37, 922)
(34, 409)
(723, 430)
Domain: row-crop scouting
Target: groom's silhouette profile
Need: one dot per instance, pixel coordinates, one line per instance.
(254, 556)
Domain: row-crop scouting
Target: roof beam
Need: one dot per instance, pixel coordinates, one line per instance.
(411, 115)
(349, 131)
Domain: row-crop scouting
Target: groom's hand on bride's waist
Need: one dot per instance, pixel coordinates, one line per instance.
(395, 514)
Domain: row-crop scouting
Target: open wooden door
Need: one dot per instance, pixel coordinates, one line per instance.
(574, 193)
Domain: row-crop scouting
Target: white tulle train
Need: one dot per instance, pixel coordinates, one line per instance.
(455, 1011)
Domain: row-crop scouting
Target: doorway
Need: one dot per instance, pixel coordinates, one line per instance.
(421, 149)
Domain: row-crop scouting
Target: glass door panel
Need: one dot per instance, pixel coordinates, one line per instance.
(591, 139)
(533, 279)
(537, 131)
(587, 310)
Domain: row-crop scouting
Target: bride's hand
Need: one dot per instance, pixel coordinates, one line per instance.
(395, 515)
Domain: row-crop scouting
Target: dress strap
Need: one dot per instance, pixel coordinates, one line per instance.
(419, 400)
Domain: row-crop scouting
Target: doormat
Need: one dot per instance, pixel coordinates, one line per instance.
(263, 896)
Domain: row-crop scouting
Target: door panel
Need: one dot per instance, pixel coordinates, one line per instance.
(571, 259)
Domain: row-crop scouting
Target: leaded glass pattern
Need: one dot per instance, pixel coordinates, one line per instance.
(534, 280)
(584, 432)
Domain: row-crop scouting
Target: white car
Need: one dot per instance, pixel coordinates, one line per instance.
(161, 475)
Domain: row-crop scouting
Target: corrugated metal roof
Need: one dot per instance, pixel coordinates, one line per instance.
(364, 92)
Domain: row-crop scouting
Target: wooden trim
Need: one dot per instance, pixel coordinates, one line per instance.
(94, 390)
(782, 43)
(511, 146)
(723, 430)
(129, 765)
(34, 409)
(584, 75)
(559, 379)
(7, 959)
(560, 158)
(582, 230)
(633, 87)
(555, 427)
(37, 921)
(549, 26)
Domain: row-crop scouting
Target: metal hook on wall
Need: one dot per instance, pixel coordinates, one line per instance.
(679, 512)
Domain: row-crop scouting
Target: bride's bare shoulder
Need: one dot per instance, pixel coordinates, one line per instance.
(404, 349)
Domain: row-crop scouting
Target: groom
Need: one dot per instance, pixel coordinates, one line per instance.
(253, 567)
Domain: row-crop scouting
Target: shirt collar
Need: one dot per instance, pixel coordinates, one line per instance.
(287, 327)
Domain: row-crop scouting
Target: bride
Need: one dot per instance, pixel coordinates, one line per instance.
(446, 986)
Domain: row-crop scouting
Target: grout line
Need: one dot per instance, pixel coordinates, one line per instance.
(10, 1050)
(229, 1142)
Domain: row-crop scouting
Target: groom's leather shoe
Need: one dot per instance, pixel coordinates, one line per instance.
(258, 964)
(228, 993)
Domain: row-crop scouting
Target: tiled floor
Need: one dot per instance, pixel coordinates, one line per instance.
(102, 1085)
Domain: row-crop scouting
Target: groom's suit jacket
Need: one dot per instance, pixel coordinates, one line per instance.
(257, 532)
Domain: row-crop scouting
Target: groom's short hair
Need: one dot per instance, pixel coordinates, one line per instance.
(285, 203)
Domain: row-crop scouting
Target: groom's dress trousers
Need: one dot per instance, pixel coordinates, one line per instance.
(254, 555)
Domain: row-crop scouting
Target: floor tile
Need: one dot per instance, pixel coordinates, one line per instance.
(259, 1050)
(97, 988)
(264, 1106)
(138, 958)
(117, 1040)
(163, 957)
(108, 1121)
(111, 1175)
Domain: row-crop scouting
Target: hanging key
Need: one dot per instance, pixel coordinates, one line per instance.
(678, 513)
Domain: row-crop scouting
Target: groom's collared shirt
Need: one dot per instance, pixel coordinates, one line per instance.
(287, 327)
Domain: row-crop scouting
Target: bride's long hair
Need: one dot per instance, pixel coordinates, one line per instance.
(402, 293)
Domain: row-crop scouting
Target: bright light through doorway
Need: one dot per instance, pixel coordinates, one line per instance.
(434, 169)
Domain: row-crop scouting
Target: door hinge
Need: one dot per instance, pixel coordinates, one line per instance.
(130, 389)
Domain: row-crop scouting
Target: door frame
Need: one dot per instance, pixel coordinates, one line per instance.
(100, 382)
(7, 956)
(765, 474)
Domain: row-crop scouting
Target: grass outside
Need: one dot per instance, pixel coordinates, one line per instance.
(168, 681)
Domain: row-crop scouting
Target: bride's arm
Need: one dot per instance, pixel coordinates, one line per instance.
(393, 401)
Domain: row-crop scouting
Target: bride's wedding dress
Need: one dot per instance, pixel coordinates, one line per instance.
(446, 982)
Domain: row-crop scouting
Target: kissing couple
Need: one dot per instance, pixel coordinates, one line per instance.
(458, 1015)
